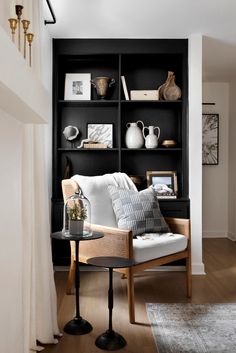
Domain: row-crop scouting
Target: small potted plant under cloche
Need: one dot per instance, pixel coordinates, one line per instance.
(77, 215)
(77, 210)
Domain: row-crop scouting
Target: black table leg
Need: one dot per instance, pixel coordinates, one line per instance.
(110, 340)
(77, 326)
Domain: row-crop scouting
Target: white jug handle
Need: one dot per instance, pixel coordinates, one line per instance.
(140, 121)
(128, 125)
(143, 131)
(159, 131)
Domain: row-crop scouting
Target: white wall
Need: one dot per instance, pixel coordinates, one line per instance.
(232, 164)
(11, 319)
(215, 177)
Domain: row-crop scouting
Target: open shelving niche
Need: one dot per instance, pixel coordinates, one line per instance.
(145, 64)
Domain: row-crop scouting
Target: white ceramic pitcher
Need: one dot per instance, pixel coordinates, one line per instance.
(151, 140)
(134, 136)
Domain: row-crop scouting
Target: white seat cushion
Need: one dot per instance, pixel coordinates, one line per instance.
(158, 246)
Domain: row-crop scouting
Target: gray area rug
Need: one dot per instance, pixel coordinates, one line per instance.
(193, 328)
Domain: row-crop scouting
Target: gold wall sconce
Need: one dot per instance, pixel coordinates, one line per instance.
(15, 23)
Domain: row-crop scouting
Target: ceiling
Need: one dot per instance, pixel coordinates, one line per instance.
(214, 19)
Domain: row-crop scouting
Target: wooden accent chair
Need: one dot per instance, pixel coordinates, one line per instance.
(118, 242)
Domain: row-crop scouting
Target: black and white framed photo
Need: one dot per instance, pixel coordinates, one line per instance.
(210, 139)
(77, 87)
(164, 183)
(101, 133)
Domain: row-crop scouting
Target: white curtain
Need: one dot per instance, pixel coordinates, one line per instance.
(40, 305)
(40, 301)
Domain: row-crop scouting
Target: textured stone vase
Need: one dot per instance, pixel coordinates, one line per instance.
(171, 91)
(102, 84)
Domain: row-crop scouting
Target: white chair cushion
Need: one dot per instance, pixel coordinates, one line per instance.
(95, 188)
(158, 246)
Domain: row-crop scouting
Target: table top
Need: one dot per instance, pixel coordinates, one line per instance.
(110, 262)
(91, 236)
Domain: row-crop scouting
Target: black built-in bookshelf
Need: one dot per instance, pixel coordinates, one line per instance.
(145, 64)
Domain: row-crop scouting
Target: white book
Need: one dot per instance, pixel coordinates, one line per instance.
(125, 88)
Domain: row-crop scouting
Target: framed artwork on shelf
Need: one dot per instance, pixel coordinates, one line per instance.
(164, 183)
(77, 87)
(210, 139)
(101, 133)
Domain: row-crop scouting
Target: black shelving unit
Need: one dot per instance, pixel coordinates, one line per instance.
(145, 64)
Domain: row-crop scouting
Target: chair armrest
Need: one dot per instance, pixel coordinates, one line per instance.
(179, 225)
(116, 242)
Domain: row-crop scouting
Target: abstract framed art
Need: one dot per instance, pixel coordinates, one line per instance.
(101, 133)
(210, 139)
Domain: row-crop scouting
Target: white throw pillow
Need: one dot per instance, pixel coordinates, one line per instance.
(95, 188)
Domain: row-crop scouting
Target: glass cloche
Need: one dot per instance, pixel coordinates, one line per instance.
(77, 215)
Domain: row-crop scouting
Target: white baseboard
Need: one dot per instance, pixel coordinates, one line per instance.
(232, 236)
(198, 269)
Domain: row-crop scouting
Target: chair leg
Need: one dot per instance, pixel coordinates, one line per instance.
(130, 287)
(71, 278)
(189, 277)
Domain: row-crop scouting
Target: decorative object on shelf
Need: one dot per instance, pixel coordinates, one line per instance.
(95, 145)
(169, 143)
(134, 137)
(102, 84)
(70, 133)
(151, 140)
(15, 23)
(210, 139)
(125, 87)
(172, 91)
(140, 181)
(76, 211)
(77, 87)
(148, 95)
(68, 171)
(84, 141)
(169, 90)
(164, 183)
(163, 86)
(101, 133)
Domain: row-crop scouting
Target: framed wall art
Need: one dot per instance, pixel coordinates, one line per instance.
(210, 139)
(101, 133)
(164, 183)
(77, 87)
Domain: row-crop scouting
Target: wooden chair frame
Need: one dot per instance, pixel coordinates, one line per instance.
(118, 242)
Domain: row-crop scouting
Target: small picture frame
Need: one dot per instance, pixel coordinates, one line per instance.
(77, 87)
(210, 139)
(101, 133)
(163, 182)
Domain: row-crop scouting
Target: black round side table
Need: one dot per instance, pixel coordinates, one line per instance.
(110, 340)
(77, 326)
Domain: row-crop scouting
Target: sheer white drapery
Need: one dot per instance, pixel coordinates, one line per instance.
(40, 302)
(40, 312)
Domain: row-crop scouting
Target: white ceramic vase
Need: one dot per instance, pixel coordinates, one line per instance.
(151, 140)
(134, 136)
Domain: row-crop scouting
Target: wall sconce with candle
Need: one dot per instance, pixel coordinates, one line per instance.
(15, 23)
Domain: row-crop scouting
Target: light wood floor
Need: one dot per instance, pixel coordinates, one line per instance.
(218, 286)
